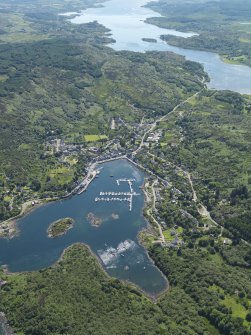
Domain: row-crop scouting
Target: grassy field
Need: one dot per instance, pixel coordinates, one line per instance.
(95, 138)
(167, 235)
(61, 175)
(238, 311)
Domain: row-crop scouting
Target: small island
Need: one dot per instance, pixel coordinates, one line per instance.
(60, 227)
(149, 40)
(94, 220)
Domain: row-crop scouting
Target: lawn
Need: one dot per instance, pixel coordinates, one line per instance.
(61, 175)
(167, 235)
(180, 230)
(237, 309)
(95, 138)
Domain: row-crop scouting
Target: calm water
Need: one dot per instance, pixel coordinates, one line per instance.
(126, 19)
(115, 241)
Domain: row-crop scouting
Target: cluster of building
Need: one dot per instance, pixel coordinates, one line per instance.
(154, 137)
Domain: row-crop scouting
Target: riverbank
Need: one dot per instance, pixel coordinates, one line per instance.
(223, 76)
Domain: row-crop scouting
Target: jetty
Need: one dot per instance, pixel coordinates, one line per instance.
(110, 196)
(124, 180)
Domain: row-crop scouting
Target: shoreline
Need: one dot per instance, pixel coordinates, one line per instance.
(12, 222)
(153, 297)
(50, 234)
(148, 225)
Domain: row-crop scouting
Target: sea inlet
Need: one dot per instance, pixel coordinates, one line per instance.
(126, 21)
(113, 239)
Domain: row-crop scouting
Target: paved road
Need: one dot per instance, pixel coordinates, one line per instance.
(162, 118)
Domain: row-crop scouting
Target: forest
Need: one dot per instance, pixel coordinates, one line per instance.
(60, 300)
(222, 26)
(60, 88)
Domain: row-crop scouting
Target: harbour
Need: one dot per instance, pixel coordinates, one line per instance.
(128, 196)
(114, 241)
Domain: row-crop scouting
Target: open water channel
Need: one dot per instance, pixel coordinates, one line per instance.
(114, 241)
(126, 19)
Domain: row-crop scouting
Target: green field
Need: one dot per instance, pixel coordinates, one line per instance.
(238, 311)
(95, 138)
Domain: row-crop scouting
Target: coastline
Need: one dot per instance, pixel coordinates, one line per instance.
(27, 206)
(57, 222)
(148, 225)
(154, 298)
(146, 230)
(28, 209)
(12, 222)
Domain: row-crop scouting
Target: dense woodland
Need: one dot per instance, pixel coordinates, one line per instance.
(60, 300)
(218, 23)
(60, 82)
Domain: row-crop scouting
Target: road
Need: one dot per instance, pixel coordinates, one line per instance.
(163, 118)
(195, 198)
(162, 237)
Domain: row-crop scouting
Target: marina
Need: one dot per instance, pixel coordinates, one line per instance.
(114, 241)
(128, 196)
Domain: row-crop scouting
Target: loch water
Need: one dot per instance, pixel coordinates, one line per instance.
(126, 21)
(114, 241)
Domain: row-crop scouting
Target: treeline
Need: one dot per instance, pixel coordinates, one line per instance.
(217, 23)
(76, 297)
(209, 285)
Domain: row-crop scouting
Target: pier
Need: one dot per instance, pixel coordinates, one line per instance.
(119, 193)
(110, 196)
(124, 180)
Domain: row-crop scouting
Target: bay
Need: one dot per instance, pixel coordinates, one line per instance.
(114, 242)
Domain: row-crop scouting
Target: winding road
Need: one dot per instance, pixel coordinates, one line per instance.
(163, 118)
